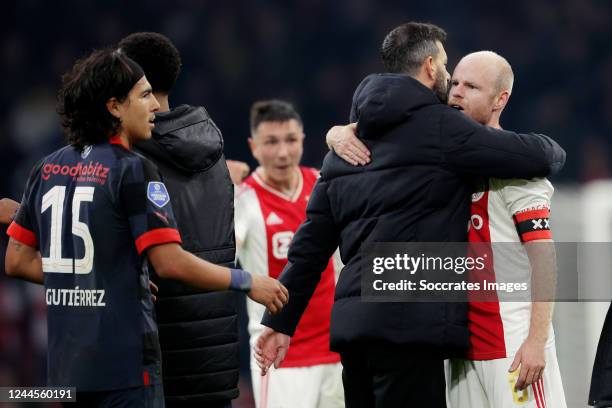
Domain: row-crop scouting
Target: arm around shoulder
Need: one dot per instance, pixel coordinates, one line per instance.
(474, 149)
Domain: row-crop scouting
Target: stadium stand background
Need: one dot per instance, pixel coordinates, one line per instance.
(314, 53)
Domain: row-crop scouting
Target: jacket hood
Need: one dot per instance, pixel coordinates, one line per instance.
(186, 137)
(382, 101)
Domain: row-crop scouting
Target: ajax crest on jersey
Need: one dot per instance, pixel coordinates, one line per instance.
(477, 196)
(157, 193)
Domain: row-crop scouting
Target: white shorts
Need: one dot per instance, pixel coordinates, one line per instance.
(488, 384)
(318, 386)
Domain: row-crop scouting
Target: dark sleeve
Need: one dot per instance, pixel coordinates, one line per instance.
(312, 246)
(146, 201)
(22, 228)
(473, 149)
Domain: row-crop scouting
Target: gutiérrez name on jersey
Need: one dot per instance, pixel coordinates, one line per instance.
(75, 297)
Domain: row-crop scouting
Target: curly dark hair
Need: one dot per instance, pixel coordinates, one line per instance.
(273, 110)
(157, 56)
(406, 46)
(86, 88)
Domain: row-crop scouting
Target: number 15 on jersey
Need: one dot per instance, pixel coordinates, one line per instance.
(54, 200)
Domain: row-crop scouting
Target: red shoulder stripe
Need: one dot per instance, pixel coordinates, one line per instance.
(156, 237)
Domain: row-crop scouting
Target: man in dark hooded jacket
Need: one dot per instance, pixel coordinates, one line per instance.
(600, 394)
(426, 156)
(198, 330)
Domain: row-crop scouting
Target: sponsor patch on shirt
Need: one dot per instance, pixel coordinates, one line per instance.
(157, 193)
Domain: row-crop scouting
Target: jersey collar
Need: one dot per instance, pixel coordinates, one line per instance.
(116, 140)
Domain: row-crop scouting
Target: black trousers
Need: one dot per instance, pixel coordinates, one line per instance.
(150, 396)
(390, 376)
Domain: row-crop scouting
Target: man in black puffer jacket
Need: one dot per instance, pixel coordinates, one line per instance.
(198, 330)
(426, 156)
(600, 395)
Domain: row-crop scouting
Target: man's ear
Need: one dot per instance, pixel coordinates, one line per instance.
(502, 100)
(113, 107)
(430, 68)
(253, 147)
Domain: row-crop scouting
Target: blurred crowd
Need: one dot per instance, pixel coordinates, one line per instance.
(312, 52)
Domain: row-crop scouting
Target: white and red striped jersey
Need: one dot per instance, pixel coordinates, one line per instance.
(265, 221)
(506, 211)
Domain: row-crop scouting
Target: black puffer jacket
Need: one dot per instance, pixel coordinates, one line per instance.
(198, 330)
(425, 156)
(600, 395)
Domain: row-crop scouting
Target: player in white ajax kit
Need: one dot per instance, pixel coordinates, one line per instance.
(270, 206)
(512, 360)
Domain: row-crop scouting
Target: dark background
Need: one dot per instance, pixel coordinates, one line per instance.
(311, 52)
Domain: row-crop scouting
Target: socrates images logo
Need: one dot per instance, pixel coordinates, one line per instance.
(157, 193)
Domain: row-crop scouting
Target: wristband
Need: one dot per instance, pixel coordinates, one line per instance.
(241, 281)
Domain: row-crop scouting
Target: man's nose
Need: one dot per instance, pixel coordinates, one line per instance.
(457, 91)
(283, 149)
(156, 104)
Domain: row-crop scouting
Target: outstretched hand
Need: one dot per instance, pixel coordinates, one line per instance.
(268, 292)
(271, 347)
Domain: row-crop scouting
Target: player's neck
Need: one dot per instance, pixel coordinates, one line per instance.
(494, 120)
(125, 141)
(287, 186)
(494, 124)
(164, 104)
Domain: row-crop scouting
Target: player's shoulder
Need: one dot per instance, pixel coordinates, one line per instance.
(135, 162)
(245, 190)
(524, 194)
(55, 158)
(59, 155)
(310, 176)
(310, 171)
(539, 184)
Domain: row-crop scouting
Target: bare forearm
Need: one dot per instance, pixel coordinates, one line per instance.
(541, 316)
(23, 262)
(543, 266)
(205, 275)
(172, 262)
(34, 273)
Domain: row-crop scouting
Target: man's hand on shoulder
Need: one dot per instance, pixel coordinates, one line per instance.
(344, 141)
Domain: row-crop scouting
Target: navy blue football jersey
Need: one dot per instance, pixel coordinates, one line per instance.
(92, 215)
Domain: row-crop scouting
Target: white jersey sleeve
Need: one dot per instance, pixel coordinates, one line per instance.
(241, 215)
(251, 249)
(526, 195)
